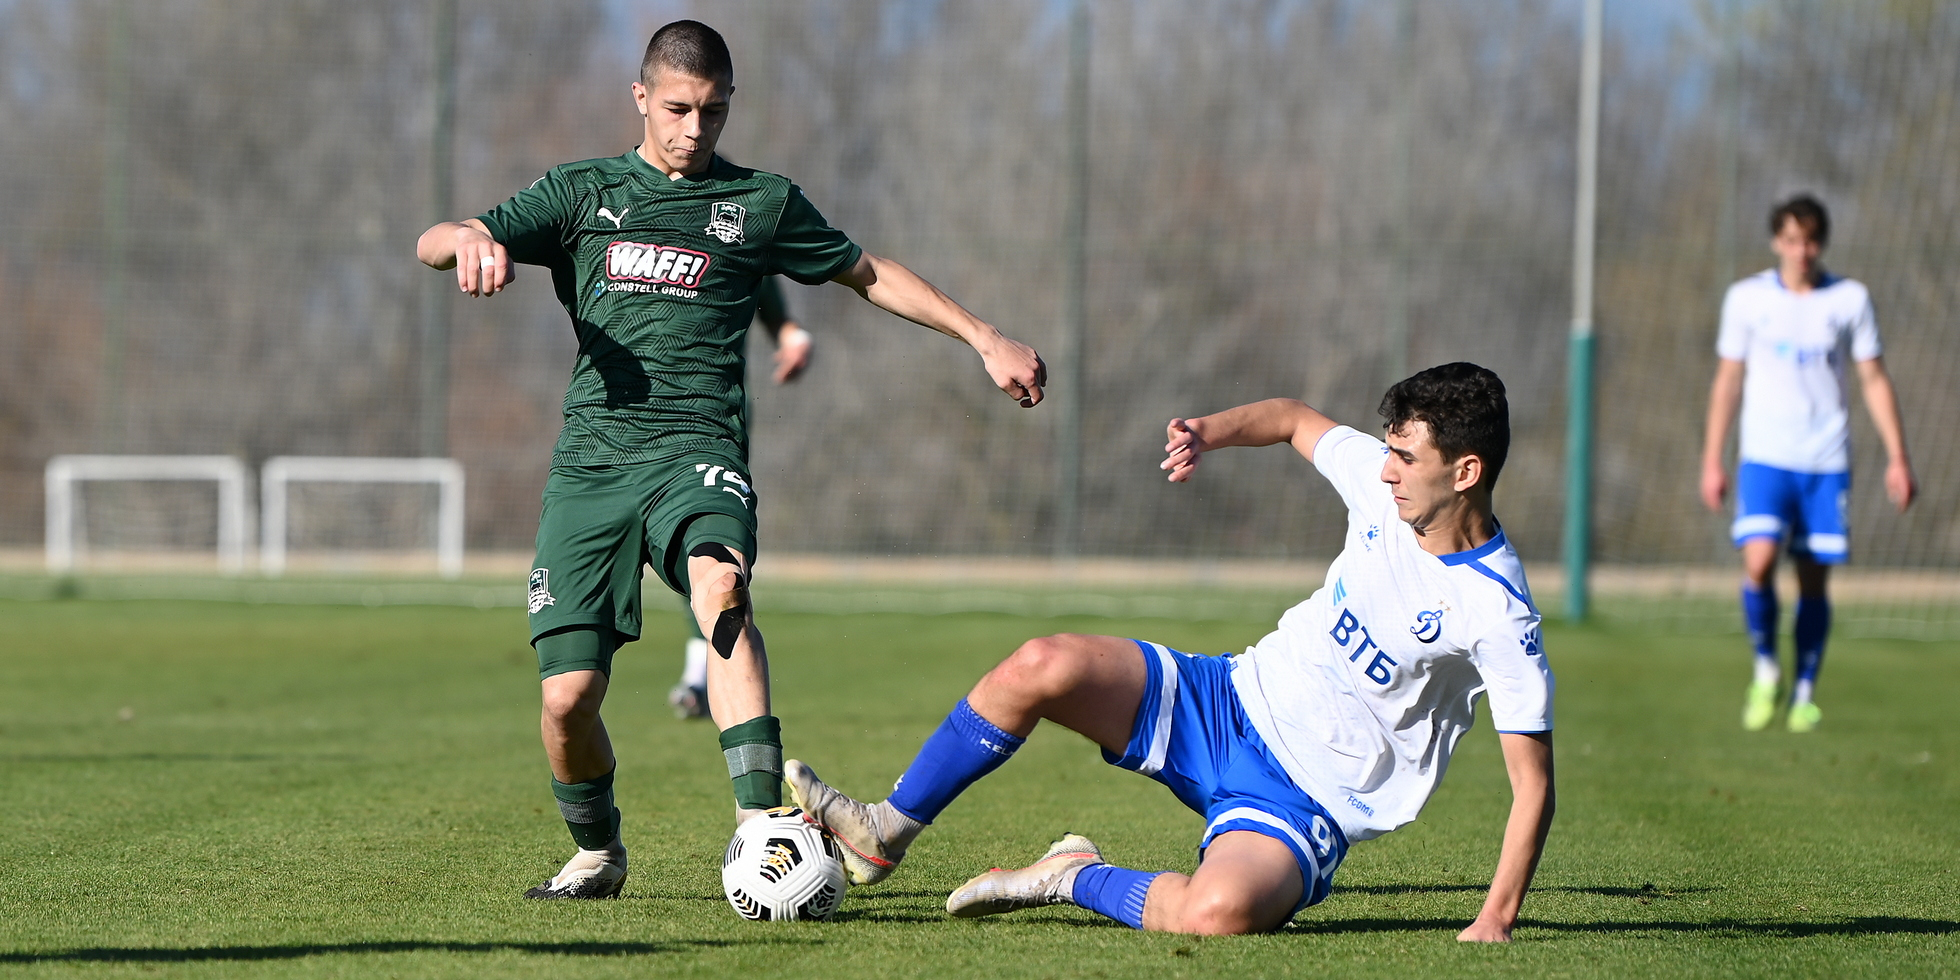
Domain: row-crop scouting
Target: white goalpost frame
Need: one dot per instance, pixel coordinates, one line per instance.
(279, 471)
(64, 472)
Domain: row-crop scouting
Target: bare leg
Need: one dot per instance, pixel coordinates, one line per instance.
(1813, 579)
(1091, 685)
(1759, 561)
(738, 685)
(575, 737)
(1248, 883)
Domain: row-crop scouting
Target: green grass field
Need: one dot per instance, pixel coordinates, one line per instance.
(211, 789)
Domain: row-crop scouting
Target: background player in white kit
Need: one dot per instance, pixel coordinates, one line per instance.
(1336, 727)
(1785, 335)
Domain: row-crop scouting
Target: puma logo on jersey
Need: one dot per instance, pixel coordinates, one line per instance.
(641, 262)
(607, 214)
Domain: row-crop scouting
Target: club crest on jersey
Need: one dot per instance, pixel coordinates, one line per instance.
(1429, 625)
(657, 264)
(725, 221)
(541, 590)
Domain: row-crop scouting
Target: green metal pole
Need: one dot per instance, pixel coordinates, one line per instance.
(432, 382)
(1579, 374)
(112, 425)
(1070, 378)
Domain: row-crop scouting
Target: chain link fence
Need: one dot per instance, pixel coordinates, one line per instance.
(212, 207)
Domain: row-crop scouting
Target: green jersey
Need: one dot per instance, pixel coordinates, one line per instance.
(660, 277)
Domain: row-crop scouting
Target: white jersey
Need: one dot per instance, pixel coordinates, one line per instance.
(1363, 690)
(1793, 347)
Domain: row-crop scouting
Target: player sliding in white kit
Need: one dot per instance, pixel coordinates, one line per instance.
(1336, 727)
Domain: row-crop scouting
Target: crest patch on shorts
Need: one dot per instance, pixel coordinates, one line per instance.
(541, 590)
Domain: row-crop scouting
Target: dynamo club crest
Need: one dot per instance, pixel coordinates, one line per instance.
(725, 221)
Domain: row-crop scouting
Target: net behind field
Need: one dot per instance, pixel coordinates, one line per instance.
(213, 206)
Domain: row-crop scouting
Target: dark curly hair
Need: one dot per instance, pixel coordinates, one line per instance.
(1464, 406)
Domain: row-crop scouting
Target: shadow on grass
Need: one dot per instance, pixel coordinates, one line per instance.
(194, 954)
(70, 757)
(1853, 926)
(1613, 891)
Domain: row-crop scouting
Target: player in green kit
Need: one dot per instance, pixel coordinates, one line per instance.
(657, 255)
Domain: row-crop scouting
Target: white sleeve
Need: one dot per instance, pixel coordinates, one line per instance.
(1732, 342)
(1352, 462)
(1511, 658)
(1864, 333)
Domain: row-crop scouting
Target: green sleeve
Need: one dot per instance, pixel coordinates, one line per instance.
(769, 303)
(807, 249)
(532, 224)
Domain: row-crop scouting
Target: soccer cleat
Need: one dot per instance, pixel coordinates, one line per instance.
(1761, 706)
(688, 701)
(1804, 716)
(1045, 882)
(589, 874)
(868, 857)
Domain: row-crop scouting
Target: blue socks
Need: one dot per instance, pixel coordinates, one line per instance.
(1813, 625)
(964, 748)
(1114, 892)
(1759, 614)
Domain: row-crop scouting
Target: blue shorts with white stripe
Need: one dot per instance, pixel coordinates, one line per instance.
(1806, 509)
(1192, 735)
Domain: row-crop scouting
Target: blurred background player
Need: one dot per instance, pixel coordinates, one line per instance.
(1335, 727)
(1785, 334)
(657, 256)
(794, 348)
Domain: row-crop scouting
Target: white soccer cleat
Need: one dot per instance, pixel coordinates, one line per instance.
(1048, 881)
(589, 874)
(868, 856)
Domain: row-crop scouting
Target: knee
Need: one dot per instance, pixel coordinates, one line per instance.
(1217, 914)
(570, 703)
(712, 583)
(1045, 668)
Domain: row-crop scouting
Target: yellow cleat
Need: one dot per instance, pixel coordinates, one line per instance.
(1805, 716)
(1761, 707)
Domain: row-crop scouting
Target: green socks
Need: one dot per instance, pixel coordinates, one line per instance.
(754, 750)
(588, 810)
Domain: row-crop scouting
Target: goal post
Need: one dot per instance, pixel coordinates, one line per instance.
(65, 472)
(280, 472)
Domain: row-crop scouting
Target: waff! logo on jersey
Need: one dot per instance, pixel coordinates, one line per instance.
(1429, 625)
(662, 264)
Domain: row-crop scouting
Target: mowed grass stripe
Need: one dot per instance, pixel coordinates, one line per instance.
(215, 790)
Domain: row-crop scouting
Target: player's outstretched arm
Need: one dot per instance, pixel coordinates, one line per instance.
(1883, 401)
(1528, 758)
(1266, 423)
(483, 267)
(1724, 401)
(1014, 366)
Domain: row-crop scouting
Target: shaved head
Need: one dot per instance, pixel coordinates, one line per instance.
(690, 48)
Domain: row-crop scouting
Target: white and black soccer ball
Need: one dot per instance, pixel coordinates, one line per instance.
(780, 866)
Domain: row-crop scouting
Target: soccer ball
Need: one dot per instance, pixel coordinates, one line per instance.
(779, 866)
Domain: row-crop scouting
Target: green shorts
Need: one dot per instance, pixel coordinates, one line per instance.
(600, 524)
